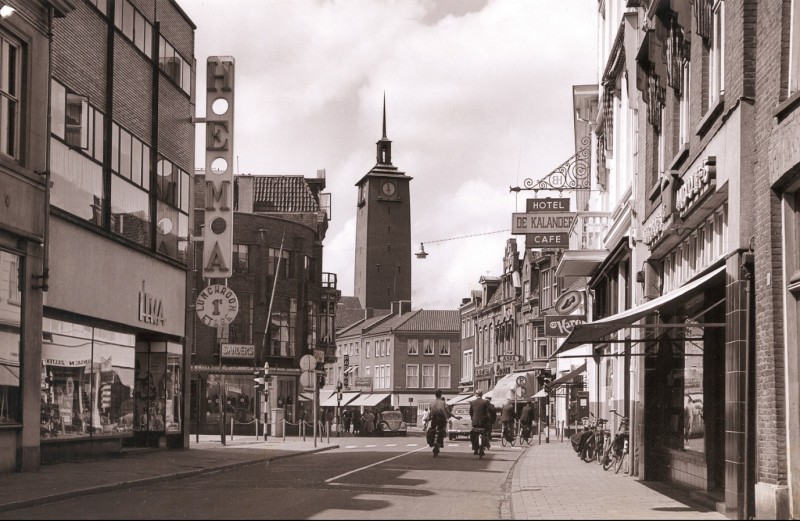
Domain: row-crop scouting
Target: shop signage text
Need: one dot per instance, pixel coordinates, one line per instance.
(484, 371)
(151, 309)
(67, 363)
(508, 358)
(362, 381)
(559, 204)
(217, 305)
(696, 185)
(238, 350)
(655, 226)
(558, 240)
(562, 325)
(218, 218)
(524, 223)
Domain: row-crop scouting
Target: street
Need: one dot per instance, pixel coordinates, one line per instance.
(370, 478)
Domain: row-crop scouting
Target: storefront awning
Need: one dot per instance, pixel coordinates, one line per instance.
(305, 396)
(369, 400)
(332, 402)
(350, 369)
(461, 398)
(597, 331)
(561, 380)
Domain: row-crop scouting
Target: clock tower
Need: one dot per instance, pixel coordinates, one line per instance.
(383, 232)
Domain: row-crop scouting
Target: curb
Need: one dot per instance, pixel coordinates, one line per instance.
(26, 503)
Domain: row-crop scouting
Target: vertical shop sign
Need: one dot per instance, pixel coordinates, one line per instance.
(218, 222)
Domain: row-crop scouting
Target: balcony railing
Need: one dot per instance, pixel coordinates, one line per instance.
(588, 230)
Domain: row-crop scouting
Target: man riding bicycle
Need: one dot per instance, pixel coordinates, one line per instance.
(439, 414)
(526, 419)
(507, 418)
(478, 413)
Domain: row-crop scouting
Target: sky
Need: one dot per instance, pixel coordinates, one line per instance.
(478, 98)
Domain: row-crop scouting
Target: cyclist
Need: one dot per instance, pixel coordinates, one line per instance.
(490, 419)
(439, 414)
(478, 413)
(507, 418)
(526, 419)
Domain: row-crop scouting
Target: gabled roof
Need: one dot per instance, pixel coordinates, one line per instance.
(443, 320)
(362, 327)
(349, 302)
(347, 317)
(282, 194)
(393, 323)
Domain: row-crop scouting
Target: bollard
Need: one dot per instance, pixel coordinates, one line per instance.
(284, 430)
(329, 433)
(562, 431)
(231, 428)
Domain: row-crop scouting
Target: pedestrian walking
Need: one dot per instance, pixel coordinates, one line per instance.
(346, 420)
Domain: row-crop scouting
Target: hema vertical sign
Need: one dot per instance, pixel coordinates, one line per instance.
(218, 230)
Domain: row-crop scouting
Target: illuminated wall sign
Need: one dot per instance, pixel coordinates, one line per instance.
(696, 185)
(151, 309)
(562, 325)
(238, 350)
(524, 223)
(218, 230)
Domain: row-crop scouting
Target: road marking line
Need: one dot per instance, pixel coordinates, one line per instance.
(391, 444)
(411, 444)
(372, 465)
(370, 446)
(350, 446)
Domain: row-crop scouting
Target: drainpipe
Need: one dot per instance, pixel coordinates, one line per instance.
(45, 276)
(747, 275)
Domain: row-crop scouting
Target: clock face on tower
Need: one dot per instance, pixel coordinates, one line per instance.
(388, 188)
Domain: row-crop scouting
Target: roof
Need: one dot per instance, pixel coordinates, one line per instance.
(347, 317)
(283, 194)
(445, 320)
(349, 302)
(360, 327)
(395, 322)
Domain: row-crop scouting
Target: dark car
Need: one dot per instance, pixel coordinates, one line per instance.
(391, 422)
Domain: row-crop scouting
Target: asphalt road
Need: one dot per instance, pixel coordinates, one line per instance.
(366, 478)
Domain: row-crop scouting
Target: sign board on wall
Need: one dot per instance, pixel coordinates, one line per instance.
(548, 204)
(562, 325)
(237, 351)
(218, 220)
(524, 223)
(217, 305)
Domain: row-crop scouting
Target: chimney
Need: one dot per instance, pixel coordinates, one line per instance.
(244, 191)
(401, 307)
(369, 313)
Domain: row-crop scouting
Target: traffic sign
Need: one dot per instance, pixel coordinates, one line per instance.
(520, 380)
(521, 391)
(308, 363)
(307, 378)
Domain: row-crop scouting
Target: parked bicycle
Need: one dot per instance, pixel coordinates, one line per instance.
(616, 454)
(593, 446)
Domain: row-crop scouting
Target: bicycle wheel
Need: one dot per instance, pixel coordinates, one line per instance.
(503, 438)
(622, 461)
(610, 460)
(588, 451)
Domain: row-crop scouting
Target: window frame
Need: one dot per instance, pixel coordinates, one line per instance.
(432, 376)
(415, 376)
(794, 49)
(413, 346)
(716, 54)
(440, 377)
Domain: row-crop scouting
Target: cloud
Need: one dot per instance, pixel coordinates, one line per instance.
(478, 97)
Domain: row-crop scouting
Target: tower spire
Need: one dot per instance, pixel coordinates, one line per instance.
(384, 145)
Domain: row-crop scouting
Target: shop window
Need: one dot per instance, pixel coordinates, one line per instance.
(158, 382)
(10, 334)
(693, 424)
(87, 381)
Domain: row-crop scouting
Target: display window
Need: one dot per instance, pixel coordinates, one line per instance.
(10, 321)
(87, 381)
(158, 387)
(234, 392)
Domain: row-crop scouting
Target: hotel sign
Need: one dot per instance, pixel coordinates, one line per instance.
(218, 220)
(549, 223)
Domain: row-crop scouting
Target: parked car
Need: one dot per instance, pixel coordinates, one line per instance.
(462, 427)
(391, 422)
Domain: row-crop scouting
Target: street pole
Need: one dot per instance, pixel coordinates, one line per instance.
(316, 406)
